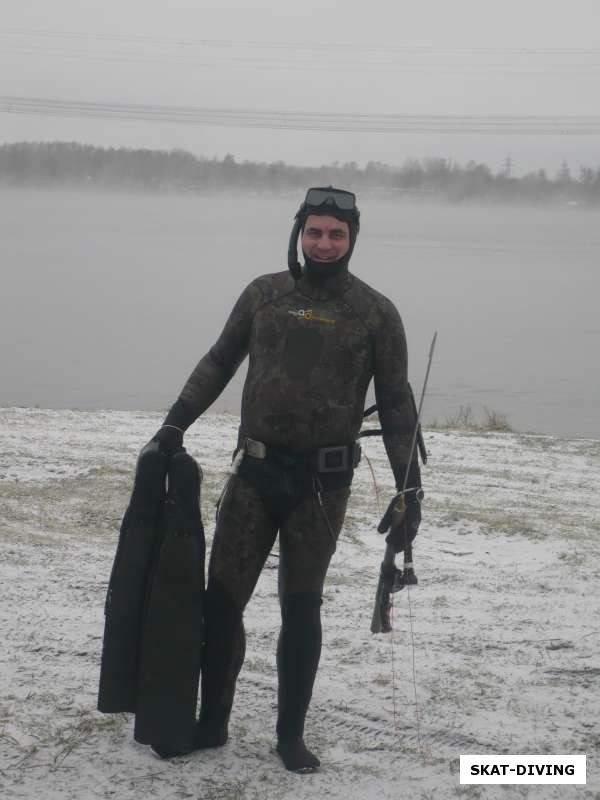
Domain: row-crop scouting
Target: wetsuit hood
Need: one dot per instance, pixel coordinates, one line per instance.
(316, 272)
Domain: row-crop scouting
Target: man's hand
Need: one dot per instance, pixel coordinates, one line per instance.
(402, 519)
(169, 438)
(177, 421)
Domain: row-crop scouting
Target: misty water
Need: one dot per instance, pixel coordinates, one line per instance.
(108, 300)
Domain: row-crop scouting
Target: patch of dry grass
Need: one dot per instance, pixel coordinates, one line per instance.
(464, 420)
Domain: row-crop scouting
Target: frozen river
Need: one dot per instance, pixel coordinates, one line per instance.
(108, 300)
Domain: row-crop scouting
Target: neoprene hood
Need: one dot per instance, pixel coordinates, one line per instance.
(322, 201)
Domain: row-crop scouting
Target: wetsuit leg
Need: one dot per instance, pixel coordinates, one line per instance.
(307, 542)
(244, 536)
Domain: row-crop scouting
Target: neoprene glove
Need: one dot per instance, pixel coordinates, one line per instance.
(401, 523)
(169, 438)
(178, 420)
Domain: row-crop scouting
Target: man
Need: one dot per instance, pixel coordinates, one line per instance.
(315, 338)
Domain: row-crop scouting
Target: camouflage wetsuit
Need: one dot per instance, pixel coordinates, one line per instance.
(313, 349)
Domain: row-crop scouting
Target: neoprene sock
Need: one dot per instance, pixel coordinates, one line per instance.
(297, 757)
(298, 653)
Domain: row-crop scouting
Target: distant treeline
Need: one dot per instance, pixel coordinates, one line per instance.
(72, 164)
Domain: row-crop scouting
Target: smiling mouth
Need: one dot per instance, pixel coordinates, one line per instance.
(323, 258)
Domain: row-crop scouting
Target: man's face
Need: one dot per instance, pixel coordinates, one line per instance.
(325, 238)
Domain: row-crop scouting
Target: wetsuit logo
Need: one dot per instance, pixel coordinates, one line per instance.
(309, 315)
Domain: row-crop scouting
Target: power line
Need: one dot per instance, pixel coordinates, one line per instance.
(321, 47)
(334, 122)
(475, 69)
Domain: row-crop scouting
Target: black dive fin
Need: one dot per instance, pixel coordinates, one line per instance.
(171, 638)
(124, 609)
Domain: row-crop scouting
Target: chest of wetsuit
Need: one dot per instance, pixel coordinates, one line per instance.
(310, 363)
(313, 350)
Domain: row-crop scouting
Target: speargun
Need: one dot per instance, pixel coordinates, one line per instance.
(391, 579)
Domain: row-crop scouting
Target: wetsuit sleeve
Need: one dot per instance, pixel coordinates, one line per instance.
(392, 395)
(214, 371)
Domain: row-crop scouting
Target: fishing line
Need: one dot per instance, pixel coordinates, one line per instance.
(410, 613)
(412, 639)
(406, 544)
(396, 726)
(375, 485)
(414, 668)
(393, 660)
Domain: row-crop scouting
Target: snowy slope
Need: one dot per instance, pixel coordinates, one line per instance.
(505, 618)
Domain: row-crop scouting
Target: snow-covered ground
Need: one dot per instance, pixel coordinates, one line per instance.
(506, 622)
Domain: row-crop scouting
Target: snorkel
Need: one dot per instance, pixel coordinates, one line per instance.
(293, 264)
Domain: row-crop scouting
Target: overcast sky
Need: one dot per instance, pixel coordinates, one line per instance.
(476, 57)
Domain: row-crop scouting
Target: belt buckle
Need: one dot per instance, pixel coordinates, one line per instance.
(325, 455)
(255, 449)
